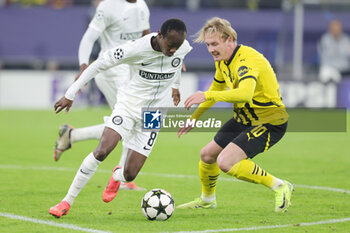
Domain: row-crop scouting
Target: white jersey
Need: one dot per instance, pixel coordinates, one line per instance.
(152, 73)
(115, 22)
(120, 21)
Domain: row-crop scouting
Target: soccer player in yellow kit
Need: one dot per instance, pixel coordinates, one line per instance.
(245, 78)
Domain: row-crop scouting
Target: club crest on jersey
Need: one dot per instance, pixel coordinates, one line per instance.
(176, 62)
(118, 53)
(242, 71)
(117, 120)
(152, 119)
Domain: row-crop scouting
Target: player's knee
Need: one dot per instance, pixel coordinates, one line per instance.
(224, 165)
(129, 174)
(206, 156)
(100, 154)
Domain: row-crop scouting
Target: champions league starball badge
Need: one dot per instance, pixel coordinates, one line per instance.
(118, 53)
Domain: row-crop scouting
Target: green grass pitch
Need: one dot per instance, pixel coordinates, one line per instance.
(31, 182)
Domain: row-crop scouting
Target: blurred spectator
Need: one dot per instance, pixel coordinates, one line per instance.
(28, 2)
(189, 4)
(334, 51)
(82, 2)
(57, 4)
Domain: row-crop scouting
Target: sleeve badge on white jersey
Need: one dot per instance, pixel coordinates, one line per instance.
(117, 120)
(118, 53)
(99, 15)
(176, 62)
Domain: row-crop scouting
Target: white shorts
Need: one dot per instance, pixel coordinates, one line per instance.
(110, 80)
(129, 126)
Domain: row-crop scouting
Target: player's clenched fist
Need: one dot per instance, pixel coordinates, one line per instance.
(63, 103)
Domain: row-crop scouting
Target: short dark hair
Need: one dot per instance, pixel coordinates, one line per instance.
(173, 24)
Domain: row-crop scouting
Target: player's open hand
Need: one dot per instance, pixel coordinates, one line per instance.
(176, 96)
(196, 98)
(183, 130)
(63, 103)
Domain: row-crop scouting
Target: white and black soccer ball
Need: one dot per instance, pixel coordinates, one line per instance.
(157, 204)
(118, 53)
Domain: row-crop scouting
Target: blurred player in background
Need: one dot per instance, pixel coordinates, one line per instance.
(334, 51)
(260, 118)
(155, 63)
(115, 22)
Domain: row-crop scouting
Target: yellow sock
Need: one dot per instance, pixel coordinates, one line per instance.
(248, 171)
(208, 174)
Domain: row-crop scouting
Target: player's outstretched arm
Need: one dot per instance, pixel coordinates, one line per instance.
(81, 70)
(63, 103)
(85, 49)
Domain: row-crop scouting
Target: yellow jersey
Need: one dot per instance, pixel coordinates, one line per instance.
(248, 81)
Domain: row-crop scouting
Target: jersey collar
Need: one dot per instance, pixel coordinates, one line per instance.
(233, 55)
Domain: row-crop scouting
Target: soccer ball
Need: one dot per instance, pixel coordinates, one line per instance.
(157, 204)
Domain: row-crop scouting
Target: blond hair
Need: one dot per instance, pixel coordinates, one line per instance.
(216, 25)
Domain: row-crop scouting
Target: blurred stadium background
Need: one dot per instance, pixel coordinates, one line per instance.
(39, 42)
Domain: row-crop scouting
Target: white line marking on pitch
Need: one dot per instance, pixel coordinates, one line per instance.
(179, 176)
(51, 223)
(74, 227)
(331, 221)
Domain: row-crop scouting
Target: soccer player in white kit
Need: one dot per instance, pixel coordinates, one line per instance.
(155, 63)
(115, 22)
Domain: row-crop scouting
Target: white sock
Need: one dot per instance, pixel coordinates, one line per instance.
(118, 175)
(208, 199)
(85, 172)
(279, 184)
(123, 157)
(90, 132)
